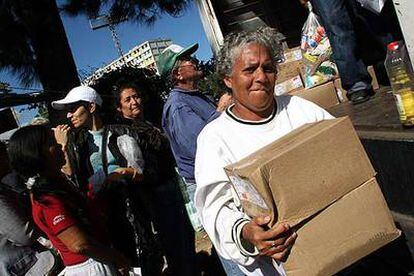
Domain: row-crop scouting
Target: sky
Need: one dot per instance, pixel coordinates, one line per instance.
(92, 49)
(96, 48)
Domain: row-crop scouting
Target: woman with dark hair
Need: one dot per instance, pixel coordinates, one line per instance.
(21, 252)
(57, 209)
(161, 181)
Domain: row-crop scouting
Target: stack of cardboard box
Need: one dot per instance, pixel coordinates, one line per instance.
(289, 81)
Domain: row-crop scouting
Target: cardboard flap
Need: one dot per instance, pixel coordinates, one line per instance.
(326, 156)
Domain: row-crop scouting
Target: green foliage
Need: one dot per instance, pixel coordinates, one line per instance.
(16, 52)
(140, 11)
(5, 88)
(212, 83)
(42, 111)
(154, 91)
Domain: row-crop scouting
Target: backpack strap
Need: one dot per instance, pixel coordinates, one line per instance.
(104, 151)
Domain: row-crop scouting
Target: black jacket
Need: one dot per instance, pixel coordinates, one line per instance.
(78, 152)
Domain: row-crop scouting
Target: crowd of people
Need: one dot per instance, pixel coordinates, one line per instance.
(105, 198)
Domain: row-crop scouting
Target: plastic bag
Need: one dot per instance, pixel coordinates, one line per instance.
(316, 51)
(373, 5)
(131, 151)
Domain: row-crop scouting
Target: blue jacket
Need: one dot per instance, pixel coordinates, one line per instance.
(184, 116)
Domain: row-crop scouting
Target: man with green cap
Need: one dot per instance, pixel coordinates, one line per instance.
(186, 110)
(185, 114)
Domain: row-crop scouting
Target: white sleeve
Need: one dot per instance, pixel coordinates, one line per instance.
(217, 202)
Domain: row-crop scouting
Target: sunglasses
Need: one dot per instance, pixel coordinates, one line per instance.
(74, 106)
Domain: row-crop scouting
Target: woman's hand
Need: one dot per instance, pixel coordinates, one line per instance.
(61, 135)
(122, 264)
(225, 101)
(131, 173)
(275, 242)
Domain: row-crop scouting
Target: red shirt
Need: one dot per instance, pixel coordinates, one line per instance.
(53, 218)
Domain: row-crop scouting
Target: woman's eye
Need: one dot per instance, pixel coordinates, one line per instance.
(249, 70)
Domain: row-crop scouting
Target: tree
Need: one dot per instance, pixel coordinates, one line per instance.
(141, 11)
(34, 46)
(212, 83)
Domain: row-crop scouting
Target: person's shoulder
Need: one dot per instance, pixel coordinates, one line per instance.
(118, 128)
(214, 127)
(175, 101)
(48, 202)
(120, 131)
(295, 101)
(297, 105)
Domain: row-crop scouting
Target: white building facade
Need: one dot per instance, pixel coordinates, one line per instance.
(144, 55)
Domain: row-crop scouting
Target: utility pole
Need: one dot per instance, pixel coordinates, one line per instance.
(107, 21)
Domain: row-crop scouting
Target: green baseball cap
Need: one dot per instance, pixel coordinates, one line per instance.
(171, 54)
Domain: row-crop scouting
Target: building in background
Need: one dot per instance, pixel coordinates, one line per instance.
(144, 55)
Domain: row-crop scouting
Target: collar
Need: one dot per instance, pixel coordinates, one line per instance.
(248, 122)
(181, 90)
(96, 132)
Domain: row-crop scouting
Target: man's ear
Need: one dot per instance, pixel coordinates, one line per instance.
(177, 75)
(119, 109)
(228, 82)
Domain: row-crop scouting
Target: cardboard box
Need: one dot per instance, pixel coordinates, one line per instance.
(293, 54)
(288, 76)
(374, 81)
(340, 91)
(289, 85)
(319, 180)
(323, 95)
(288, 70)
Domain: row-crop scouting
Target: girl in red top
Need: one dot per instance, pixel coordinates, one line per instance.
(58, 209)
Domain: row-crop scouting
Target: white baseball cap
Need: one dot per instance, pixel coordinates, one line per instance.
(79, 93)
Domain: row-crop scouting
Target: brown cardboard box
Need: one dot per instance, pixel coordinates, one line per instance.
(319, 180)
(340, 91)
(374, 82)
(292, 54)
(288, 76)
(323, 95)
(289, 85)
(288, 70)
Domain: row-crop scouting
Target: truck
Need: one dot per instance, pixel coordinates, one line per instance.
(389, 145)
(225, 16)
